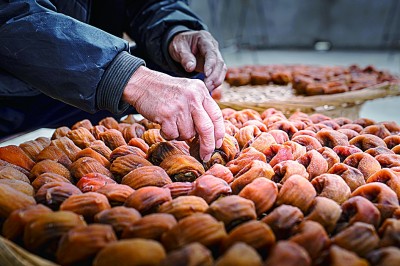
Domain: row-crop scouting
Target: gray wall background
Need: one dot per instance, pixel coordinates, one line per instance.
(347, 24)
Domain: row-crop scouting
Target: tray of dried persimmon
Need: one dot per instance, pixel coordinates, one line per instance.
(331, 90)
(282, 190)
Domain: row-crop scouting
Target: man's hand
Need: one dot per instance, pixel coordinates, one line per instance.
(183, 107)
(198, 51)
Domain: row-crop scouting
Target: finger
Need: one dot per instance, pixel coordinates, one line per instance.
(205, 129)
(183, 54)
(169, 130)
(208, 50)
(215, 114)
(217, 76)
(186, 128)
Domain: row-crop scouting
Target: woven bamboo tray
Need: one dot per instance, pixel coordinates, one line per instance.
(13, 255)
(283, 98)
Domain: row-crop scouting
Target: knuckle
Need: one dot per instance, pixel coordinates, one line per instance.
(198, 85)
(205, 33)
(186, 135)
(165, 112)
(224, 67)
(169, 134)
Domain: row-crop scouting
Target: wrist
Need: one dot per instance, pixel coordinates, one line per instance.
(139, 84)
(113, 82)
(132, 89)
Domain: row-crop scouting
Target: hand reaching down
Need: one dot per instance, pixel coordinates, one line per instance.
(198, 51)
(183, 107)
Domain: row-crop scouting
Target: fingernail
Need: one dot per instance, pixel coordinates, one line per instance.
(208, 72)
(218, 144)
(190, 65)
(207, 158)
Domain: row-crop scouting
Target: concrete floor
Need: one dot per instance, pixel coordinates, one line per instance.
(384, 109)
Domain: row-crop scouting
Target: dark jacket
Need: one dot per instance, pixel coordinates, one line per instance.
(49, 47)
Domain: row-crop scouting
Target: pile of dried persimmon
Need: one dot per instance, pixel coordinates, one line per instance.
(309, 79)
(298, 190)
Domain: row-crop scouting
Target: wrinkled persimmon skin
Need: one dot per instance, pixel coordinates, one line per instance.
(384, 198)
(309, 142)
(230, 128)
(257, 123)
(330, 156)
(261, 142)
(342, 120)
(357, 128)
(358, 209)
(299, 124)
(238, 118)
(360, 238)
(268, 121)
(220, 171)
(210, 188)
(288, 252)
(263, 192)
(344, 151)
(364, 122)
(304, 132)
(377, 130)
(392, 126)
(286, 169)
(331, 138)
(272, 112)
(311, 236)
(389, 231)
(250, 172)
(330, 123)
(297, 191)
(297, 149)
(300, 116)
(284, 220)
(246, 134)
(279, 136)
(316, 127)
(348, 132)
(392, 141)
(280, 153)
(332, 187)
(388, 160)
(396, 149)
(245, 157)
(326, 212)
(388, 177)
(367, 141)
(364, 162)
(316, 118)
(379, 150)
(352, 176)
(314, 162)
(286, 126)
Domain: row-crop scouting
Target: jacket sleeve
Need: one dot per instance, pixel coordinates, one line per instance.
(63, 58)
(153, 24)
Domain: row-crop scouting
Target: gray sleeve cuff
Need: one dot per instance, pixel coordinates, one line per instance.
(175, 66)
(114, 80)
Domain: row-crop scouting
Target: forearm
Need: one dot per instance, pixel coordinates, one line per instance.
(62, 57)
